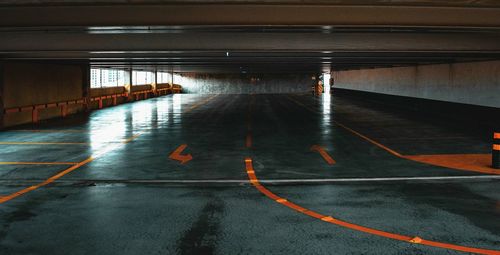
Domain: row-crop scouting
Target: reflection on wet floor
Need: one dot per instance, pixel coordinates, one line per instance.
(207, 202)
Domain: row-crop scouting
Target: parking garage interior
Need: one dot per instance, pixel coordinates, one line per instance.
(249, 127)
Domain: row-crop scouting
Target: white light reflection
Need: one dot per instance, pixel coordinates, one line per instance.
(141, 115)
(326, 105)
(162, 108)
(107, 131)
(176, 108)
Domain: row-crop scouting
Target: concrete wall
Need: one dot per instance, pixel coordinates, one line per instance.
(27, 84)
(476, 83)
(244, 84)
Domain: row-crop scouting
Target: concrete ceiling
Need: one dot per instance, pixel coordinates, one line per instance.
(250, 36)
(462, 3)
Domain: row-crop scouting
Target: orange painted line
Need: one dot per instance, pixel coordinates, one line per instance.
(9, 197)
(393, 152)
(199, 104)
(332, 220)
(248, 142)
(496, 135)
(38, 163)
(323, 154)
(458, 164)
(480, 163)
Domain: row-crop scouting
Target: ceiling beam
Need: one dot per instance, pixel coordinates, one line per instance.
(249, 14)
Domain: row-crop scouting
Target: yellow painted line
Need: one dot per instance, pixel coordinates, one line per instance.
(38, 163)
(130, 139)
(11, 196)
(49, 130)
(68, 143)
(199, 104)
(43, 143)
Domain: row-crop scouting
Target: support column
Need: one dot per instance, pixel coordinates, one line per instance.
(1, 94)
(495, 155)
(85, 89)
(128, 88)
(155, 83)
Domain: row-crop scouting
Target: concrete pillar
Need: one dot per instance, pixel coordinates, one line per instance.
(128, 87)
(495, 155)
(1, 94)
(155, 82)
(85, 88)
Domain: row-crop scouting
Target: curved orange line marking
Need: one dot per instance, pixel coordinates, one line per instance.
(255, 182)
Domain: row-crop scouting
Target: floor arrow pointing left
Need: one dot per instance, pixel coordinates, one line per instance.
(176, 155)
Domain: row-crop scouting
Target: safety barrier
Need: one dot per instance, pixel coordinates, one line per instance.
(495, 155)
(100, 99)
(63, 105)
(176, 88)
(145, 94)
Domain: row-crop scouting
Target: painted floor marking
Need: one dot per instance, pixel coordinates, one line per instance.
(176, 155)
(48, 130)
(248, 140)
(322, 151)
(69, 143)
(457, 163)
(43, 143)
(53, 178)
(326, 218)
(199, 104)
(38, 163)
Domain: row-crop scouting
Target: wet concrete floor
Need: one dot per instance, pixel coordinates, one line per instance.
(104, 183)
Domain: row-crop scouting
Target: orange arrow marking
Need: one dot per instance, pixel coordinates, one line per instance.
(323, 154)
(176, 155)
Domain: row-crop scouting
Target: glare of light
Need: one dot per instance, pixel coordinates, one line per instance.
(326, 103)
(162, 108)
(107, 130)
(141, 115)
(176, 108)
(326, 82)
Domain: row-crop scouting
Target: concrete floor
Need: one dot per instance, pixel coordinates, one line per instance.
(121, 194)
